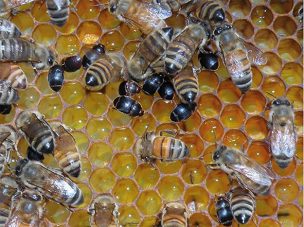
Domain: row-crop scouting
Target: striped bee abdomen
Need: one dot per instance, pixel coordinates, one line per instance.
(58, 11)
(17, 77)
(174, 215)
(169, 149)
(8, 95)
(211, 10)
(69, 162)
(186, 85)
(4, 214)
(8, 29)
(242, 204)
(77, 198)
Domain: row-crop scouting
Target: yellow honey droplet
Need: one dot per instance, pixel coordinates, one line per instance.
(113, 41)
(253, 102)
(50, 106)
(169, 167)
(217, 182)
(44, 34)
(102, 180)
(256, 128)
(75, 117)
(87, 9)
(286, 190)
(89, 32)
(67, 45)
(149, 202)
(166, 107)
(228, 92)
(79, 218)
(209, 105)
(99, 128)
(211, 130)
(96, 103)
(125, 190)
(170, 188)
(208, 81)
(235, 139)
(143, 123)
(292, 73)
(72, 93)
(259, 151)
(124, 164)
(232, 116)
(122, 138)
(273, 85)
(100, 154)
(146, 176)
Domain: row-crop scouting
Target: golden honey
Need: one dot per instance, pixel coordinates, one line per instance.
(106, 137)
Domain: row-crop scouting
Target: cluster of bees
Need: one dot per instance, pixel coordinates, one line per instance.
(163, 64)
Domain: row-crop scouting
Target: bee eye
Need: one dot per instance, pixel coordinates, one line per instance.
(113, 8)
(18, 170)
(218, 31)
(277, 102)
(227, 27)
(50, 61)
(287, 103)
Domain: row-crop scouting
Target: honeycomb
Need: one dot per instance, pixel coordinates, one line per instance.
(105, 137)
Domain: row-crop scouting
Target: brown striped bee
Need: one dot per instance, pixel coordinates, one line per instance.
(22, 50)
(59, 11)
(8, 29)
(174, 214)
(66, 151)
(106, 69)
(49, 182)
(242, 203)
(186, 85)
(27, 209)
(8, 189)
(249, 173)
(183, 46)
(36, 131)
(8, 138)
(8, 5)
(148, 17)
(13, 74)
(149, 51)
(237, 55)
(282, 132)
(8, 95)
(151, 147)
(104, 211)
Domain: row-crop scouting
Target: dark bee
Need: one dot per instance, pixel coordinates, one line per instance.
(223, 211)
(48, 182)
(56, 77)
(72, 63)
(128, 106)
(182, 112)
(8, 29)
(128, 88)
(58, 11)
(166, 91)
(152, 84)
(92, 55)
(5, 109)
(37, 131)
(208, 60)
(8, 95)
(33, 155)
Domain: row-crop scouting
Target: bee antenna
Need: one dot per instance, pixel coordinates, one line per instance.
(271, 95)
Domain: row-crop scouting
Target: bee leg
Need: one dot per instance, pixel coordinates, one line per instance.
(213, 166)
(269, 125)
(172, 132)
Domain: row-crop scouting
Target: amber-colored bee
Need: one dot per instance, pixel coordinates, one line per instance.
(8, 29)
(36, 131)
(49, 182)
(8, 138)
(8, 5)
(22, 50)
(152, 146)
(174, 214)
(8, 189)
(8, 95)
(186, 85)
(248, 172)
(66, 151)
(27, 210)
(283, 135)
(13, 74)
(104, 211)
(146, 16)
(59, 11)
(149, 51)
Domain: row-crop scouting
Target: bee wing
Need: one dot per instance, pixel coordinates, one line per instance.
(234, 62)
(5, 69)
(162, 9)
(255, 55)
(4, 136)
(283, 141)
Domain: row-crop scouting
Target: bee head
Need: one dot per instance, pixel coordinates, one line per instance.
(20, 165)
(218, 153)
(221, 28)
(279, 102)
(113, 6)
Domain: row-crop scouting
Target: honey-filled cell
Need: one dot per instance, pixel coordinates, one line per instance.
(281, 7)
(232, 116)
(299, 122)
(39, 12)
(193, 172)
(100, 154)
(208, 81)
(122, 138)
(236, 139)
(253, 102)
(199, 219)
(273, 86)
(86, 170)
(259, 151)
(166, 107)
(107, 20)
(208, 154)
(24, 22)
(299, 174)
(169, 167)
(209, 105)
(130, 31)
(89, 32)
(72, 93)
(113, 41)
(289, 215)
(111, 90)
(286, 171)
(71, 24)
(170, 188)
(211, 130)
(261, 16)
(299, 148)
(286, 190)
(239, 8)
(67, 45)
(28, 98)
(228, 92)
(149, 202)
(130, 48)
(149, 221)
(196, 199)
(125, 190)
(79, 218)
(292, 73)
(75, 117)
(273, 65)
(56, 213)
(118, 118)
(266, 205)
(268, 222)
(102, 180)
(42, 83)
(217, 182)
(256, 128)
(146, 176)
(294, 95)
(96, 103)
(128, 216)
(82, 141)
(257, 77)
(144, 123)
(289, 49)
(99, 128)
(50, 106)
(284, 26)
(244, 28)
(194, 144)
(145, 101)
(44, 34)
(191, 123)
(88, 10)
(124, 164)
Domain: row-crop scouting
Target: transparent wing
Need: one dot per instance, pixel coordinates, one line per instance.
(235, 63)
(255, 55)
(161, 9)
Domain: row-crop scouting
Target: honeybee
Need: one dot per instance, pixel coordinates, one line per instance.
(66, 152)
(59, 11)
(128, 106)
(174, 214)
(8, 95)
(151, 147)
(8, 138)
(72, 63)
(36, 131)
(298, 13)
(242, 203)
(104, 210)
(210, 10)
(21, 50)
(8, 189)
(93, 55)
(223, 211)
(8, 29)
(48, 182)
(149, 51)
(13, 74)
(182, 112)
(186, 85)
(56, 77)
(27, 209)
(183, 46)
(8, 5)
(282, 132)
(237, 55)
(128, 88)
(249, 173)
(106, 69)
(146, 16)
